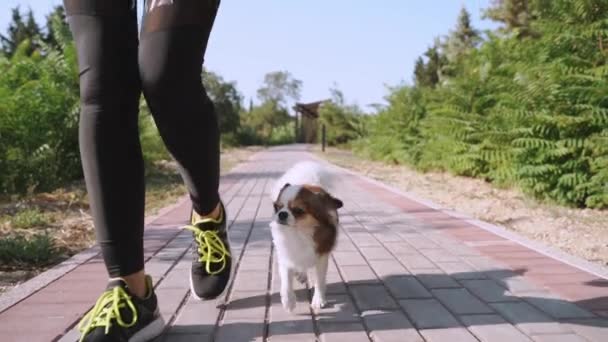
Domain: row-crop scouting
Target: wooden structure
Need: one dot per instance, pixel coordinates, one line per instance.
(307, 126)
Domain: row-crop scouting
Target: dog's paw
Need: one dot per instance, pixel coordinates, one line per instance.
(301, 277)
(289, 301)
(318, 303)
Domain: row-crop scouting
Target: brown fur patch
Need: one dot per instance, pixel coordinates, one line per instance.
(317, 205)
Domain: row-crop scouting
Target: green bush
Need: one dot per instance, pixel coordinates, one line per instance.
(29, 218)
(344, 123)
(39, 118)
(20, 251)
(519, 109)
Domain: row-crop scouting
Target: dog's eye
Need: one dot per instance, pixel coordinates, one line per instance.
(297, 211)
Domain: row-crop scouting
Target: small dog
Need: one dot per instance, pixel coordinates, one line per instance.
(304, 229)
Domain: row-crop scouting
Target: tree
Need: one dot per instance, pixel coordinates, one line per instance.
(266, 117)
(419, 72)
(344, 122)
(516, 15)
(20, 29)
(428, 74)
(463, 38)
(280, 87)
(56, 22)
(226, 99)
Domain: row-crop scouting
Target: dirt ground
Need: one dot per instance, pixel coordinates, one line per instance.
(65, 215)
(580, 232)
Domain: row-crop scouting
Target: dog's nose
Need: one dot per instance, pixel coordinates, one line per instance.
(283, 215)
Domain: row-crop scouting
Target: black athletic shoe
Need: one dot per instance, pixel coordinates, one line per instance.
(212, 259)
(119, 316)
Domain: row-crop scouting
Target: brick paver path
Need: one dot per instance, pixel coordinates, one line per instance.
(402, 271)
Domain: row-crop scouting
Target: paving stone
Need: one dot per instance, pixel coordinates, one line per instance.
(460, 270)
(390, 326)
(558, 338)
(251, 281)
(593, 329)
(358, 275)
(368, 297)
(484, 264)
(376, 253)
(259, 263)
(512, 281)
(386, 268)
(196, 317)
(340, 309)
(345, 245)
(169, 300)
(401, 248)
(412, 262)
(351, 332)
(246, 304)
(529, 319)
(428, 314)
(387, 236)
(448, 334)
(489, 291)
(406, 286)
(439, 255)
(555, 306)
(434, 278)
(461, 301)
(177, 337)
(349, 258)
(419, 241)
(492, 328)
(335, 285)
(364, 240)
(232, 330)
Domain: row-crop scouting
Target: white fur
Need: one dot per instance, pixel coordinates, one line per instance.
(306, 172)
(295, 248)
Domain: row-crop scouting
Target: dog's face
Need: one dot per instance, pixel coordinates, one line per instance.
(305, 206)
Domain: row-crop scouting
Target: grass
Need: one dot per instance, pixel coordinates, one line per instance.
(20, 251)
(63, 226)
(30, 218)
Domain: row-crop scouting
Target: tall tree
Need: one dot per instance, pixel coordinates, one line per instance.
(428, 74)
(226, 99)
(419, 72)
(21, 28)
(516, 16)
(463, 38)
(55, 22)
(465, 33)
(280, 87)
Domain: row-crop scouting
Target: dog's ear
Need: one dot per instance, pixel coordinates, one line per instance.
(285, 186)
(336, 202)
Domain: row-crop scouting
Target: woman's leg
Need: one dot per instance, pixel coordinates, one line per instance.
(173, 43)
(105, 33)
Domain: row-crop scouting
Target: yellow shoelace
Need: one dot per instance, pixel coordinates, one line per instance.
(106, 309)
(211, 248)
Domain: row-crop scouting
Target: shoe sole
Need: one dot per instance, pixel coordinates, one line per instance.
(150, 331)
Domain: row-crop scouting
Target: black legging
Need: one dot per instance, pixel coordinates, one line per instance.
(114, 70)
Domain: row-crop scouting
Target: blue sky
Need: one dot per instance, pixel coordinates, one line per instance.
(359, 45)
